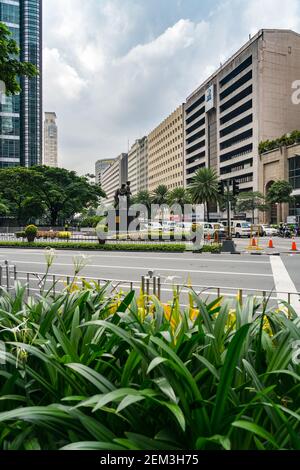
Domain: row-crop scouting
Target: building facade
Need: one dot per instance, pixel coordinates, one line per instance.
(101, 166)
(281, 164)
(248, 100)
(114, 176)
(50, 140)
(165, 152)
(138, 166)
(21, 116)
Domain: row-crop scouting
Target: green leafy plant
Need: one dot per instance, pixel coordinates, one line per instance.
(95, 369)
(31, 232)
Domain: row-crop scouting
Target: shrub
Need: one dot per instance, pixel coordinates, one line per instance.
(213, 248)
(64, 235)
(154, 247)
(31, 232)
(91, 222)
(20, 234)
(96, 370)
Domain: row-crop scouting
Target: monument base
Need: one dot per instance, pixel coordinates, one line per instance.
(228, 247)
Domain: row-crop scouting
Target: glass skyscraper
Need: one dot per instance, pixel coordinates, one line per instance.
(21, 116)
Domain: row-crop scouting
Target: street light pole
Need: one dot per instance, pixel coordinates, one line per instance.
(228, 211)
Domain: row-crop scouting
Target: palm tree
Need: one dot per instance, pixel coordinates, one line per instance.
(144, 198)
(179, 196)
(160, 197)
(204, 188)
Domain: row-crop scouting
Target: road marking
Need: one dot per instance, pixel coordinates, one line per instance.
(218, 259)
(284, 284)
(156, 269)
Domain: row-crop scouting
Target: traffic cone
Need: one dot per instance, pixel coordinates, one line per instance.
(254, 243)
(208, 237)
(294, 246)
(271, 243)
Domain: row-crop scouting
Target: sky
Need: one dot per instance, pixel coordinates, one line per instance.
(114, 69)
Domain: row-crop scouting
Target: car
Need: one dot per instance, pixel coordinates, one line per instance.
(241, 228)
(268, 231)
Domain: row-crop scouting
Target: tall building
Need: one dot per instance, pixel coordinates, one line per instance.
(21, 116)
(50, 140)
(165, 152)
(101, 166)
(138, 165)
(114, 176)
(248, 100)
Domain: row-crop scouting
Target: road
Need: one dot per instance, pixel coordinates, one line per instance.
(228, 272)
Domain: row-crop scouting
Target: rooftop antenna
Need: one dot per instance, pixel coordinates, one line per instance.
(250, 37)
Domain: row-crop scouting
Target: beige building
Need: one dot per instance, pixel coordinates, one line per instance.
(101, 166)
(50, 140)
(114, 176)
(138, 166)
(165, 152)
(281, 164)
(246, 101)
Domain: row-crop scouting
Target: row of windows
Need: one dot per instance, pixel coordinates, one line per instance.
(196, 137)
(237, 125)
(9, 148)
(195, 158)
(294, 172)
(195, 147)
(245, 64)
(236, 153)
(235, 99)
(195, 105)
(9, 13)
(236, 112)
(246, 78)
(196, 115)
(237, 167)
(236, 139)
(195, 126)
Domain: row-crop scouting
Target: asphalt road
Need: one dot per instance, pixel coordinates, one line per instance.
(252, 274)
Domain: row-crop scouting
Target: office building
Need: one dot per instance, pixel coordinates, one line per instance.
(101, 166)
(281, 164)
(114, 176)
(165, 152)
(21, 116)
(50, 140)
(138, 166)
(248, 100)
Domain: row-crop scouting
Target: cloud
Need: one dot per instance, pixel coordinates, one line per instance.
(115, 68)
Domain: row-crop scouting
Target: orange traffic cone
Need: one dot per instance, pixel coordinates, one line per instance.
(254, 242)
(208, 237)
(271, 243)
(294, 246)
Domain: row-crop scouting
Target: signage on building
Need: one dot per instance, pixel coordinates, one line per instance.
(210, 98)
(292, 219)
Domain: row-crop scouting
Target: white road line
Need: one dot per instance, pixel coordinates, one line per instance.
(157, 269)
(283, 283)
(217, 259)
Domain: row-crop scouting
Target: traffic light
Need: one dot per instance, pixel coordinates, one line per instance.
(235, 188)
(221, 189)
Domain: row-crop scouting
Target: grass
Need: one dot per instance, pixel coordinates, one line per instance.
(92, 369)
(154, 247)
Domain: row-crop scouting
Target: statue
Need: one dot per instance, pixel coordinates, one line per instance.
(121, 194)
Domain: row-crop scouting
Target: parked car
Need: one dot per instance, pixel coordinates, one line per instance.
(240, 228)
(268, 231)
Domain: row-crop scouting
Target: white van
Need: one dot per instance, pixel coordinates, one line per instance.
(240, 228)
(210, 228)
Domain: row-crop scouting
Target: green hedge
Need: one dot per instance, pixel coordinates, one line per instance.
(215, 248)
(172, 247)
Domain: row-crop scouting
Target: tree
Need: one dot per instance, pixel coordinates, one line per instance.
(280, 193)
(179, 196)
(64, 193)
(160, 195)
(204, 188)
(10, 67)
(144, 198)
(250, 202)
(17, 189)
(55, 193)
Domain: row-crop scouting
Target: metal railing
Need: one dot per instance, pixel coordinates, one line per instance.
(150, 285)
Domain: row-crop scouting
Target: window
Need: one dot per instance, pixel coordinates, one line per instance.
(294, 171)
(236, 71)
